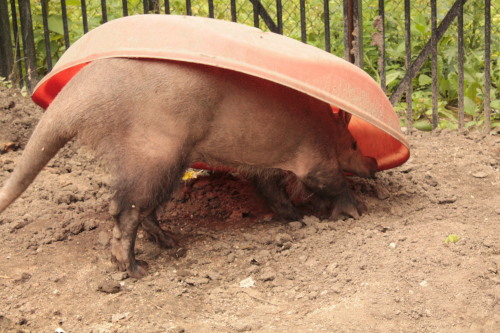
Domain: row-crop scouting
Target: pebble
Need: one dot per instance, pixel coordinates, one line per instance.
(446, 199)
(213, 275)
(109, 287)
(196, 281)
(332, 267)
(267, 275)
(231, 257)
(76, 227)
(480, 174)
(90, 224)
(393, 245)
(103, 238)
(381, 192)
(283, 238)
(119, 316)
(310, 220)
(295, 225)
(119, 276)
(424, 283)
(242, 327)
(247, 283)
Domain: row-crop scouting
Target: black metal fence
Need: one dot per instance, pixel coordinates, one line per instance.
(33, 34)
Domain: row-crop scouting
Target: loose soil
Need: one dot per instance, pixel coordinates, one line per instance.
(426, 258)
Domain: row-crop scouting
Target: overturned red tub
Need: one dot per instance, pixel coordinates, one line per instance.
(249, 50)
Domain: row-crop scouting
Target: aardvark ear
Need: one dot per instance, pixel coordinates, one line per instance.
(345, 117)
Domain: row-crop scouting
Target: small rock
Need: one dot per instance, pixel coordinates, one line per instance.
(296, 225)
(184, 273)
(90, 225)
(119, 316)
(247, 283)
(119, 276)
(424, 284)
(310, 220)
(332, 268)
(196, 281)
(109, 287)
(213, 275)
(242, 327)
(267, 275)
(406, 168)
(103, 238)
(76, 227)
(480, 174)
(393, 245)
(283, 238)
(488, 243)
(59, 330)
(447, 199)
(382, 193)
(430, 180)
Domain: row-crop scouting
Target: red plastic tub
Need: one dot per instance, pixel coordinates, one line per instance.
(234, 46)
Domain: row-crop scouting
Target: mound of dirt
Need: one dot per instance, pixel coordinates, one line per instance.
(426, 258)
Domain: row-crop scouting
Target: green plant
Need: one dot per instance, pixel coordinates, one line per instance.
(452, 238)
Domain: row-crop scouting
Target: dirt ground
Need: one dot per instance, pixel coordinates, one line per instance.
(425, 259)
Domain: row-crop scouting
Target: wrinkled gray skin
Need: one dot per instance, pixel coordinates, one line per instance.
(149, 120)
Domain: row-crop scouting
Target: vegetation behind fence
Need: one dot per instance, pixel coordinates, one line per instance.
(453, 90)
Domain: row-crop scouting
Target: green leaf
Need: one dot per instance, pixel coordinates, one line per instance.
(495, 104)
(469, 106)
(424, 80)
(56, 24)
(423, 125)
(393, 75)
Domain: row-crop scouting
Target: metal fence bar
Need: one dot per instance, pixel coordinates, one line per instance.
(382, 64)
(6, 66)
(303, 31)
(17, 42)
(255, 13)
(326, 20)
(234, 16)
(487, 62)
(46, 35)
(348, 30)
(85, 21)
(28, 43)
(104, 11)
(125, 7)
(167, 7)
(279, 14)
(424, 54)
(211, 8)
(260, 11)
(434, 65)
(64, 15)
(461, 66)
(409, 69)
(189, 10)
(358, 33)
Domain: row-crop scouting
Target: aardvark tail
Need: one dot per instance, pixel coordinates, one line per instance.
(49, 136)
